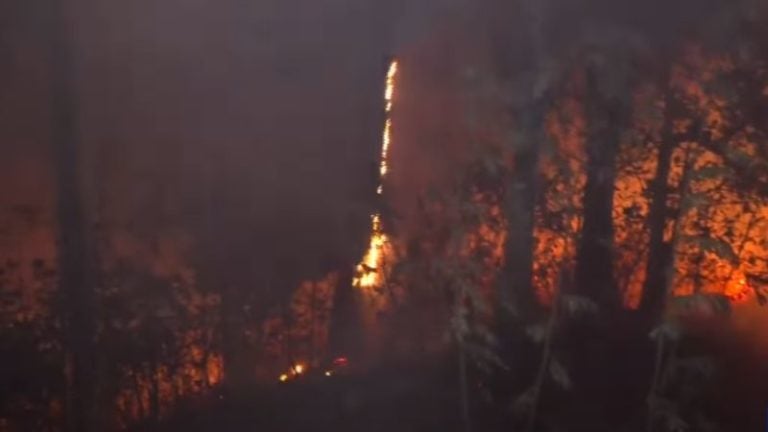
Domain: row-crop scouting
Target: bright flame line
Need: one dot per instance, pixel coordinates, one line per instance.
(368, 269)
(386, 139)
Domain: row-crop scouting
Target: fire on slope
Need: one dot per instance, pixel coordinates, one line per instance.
(369, 275)
(371, 271)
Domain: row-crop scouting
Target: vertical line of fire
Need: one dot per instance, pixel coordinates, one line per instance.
(370, 272)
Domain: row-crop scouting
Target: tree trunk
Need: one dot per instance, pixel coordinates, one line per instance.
(520, 196)
(75, 277)
(236, 359)
(227, 266)
(154, 395)
(346, 327)
(594, 269)
(516, 280)
(655, 286)
(466, 417)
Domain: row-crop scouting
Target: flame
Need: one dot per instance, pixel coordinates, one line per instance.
(384, 150)
(369, 271)
(386, 139)
(389, 91)
(294, 372)
(739, 291)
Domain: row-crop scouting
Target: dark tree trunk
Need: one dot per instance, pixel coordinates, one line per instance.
(154, 397)
(514, 36)
(234, 347)
(75, 277)
(516, 280)
(346, 327)
(592, 341)
(228, 268)
(594, 269)
(655, 286)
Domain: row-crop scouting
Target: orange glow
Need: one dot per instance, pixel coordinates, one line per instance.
(370, 272)
(384, 150)
(389, 92)
(295, 371)
(386, 139)
(739, 291)
(565, 170)
(721, 218)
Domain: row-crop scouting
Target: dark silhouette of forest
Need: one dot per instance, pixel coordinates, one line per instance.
(528, 215)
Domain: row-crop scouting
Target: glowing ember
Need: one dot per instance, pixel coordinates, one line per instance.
(294, 372)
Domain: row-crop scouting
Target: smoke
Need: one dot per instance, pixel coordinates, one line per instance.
(256, 123)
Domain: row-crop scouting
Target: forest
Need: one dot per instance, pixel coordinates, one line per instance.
(454, 215)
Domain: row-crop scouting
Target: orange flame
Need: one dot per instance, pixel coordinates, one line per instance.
(368, 274)
(386, 139)
(369, 271)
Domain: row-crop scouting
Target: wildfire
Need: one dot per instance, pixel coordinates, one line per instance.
(369, 270)
(386, 139)
(389, 92)
(294, 372)
(739, 291)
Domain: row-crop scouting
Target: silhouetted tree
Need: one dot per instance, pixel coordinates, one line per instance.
(76, 283)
